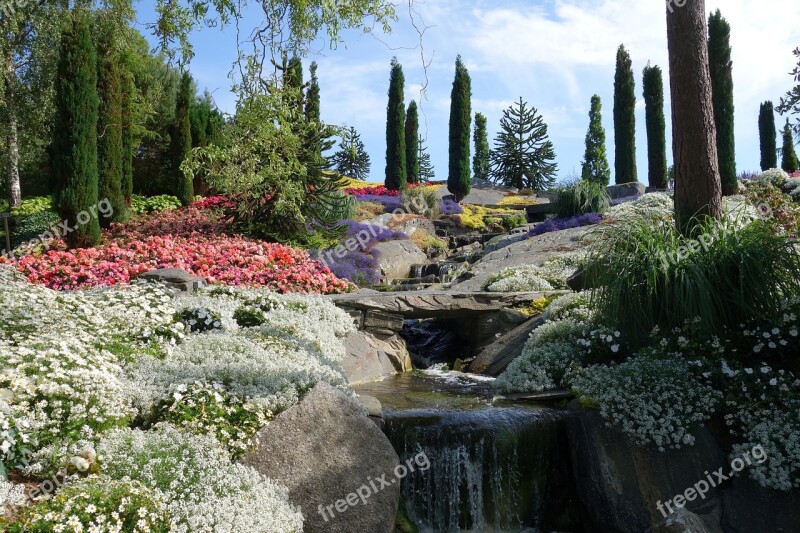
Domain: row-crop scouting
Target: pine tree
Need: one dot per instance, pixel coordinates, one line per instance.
(182, 140)
(480, 161)
(788, 155)
(523, 156)
(110, 125)
(768, 136)
(721, 70)
(426, 171)
(595, 164)
(653, 92)
(74, 147)
(396, 176)
(458, 177)
(128, 90)
(624, 119)
(351, 159)
(412, 138)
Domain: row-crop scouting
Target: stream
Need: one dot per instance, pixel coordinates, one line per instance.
(495, 466)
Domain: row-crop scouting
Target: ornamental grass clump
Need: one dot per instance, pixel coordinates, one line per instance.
(582, 197)
(652, 275)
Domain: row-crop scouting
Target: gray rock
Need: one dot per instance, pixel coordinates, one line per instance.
(397, 257)
(176, 278)
(620, 484)
(325, 450)
(747, 506)
(371, 404)
(683, 521)
(369, 357)
(625, 189)
(381, 320)
(488, 328)
(495, 357)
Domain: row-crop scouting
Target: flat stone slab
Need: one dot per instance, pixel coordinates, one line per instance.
(436, 303)
(546, 396)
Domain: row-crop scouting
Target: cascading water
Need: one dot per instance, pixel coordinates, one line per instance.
(492, 467)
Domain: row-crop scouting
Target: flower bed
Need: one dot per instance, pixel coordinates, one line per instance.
(557, 224)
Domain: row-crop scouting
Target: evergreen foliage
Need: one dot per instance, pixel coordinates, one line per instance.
(721, 70)
(480, 161)
(788, 154)
(653, 92)
(351, 159)
(523, 156)
(412, 140)
(74, 146)
(595, 164)
(624, 119)
(182, 140)
(768, 136)
(426, 171)
(396, 174)
(458, 177)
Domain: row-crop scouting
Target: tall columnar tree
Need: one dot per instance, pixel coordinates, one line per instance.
(412, 140)
(624, 119)
(110, 124)
(653, 87)
(320, 141)
(128, 142)
(595, 164)
(426, 171)
(788, 154)
(721, 70)
(523, 156)
(182, 140)
(351, 159)
(768, 136)
(396, 176)
(74, 147)
(480, 161)
(459, 175)
(698, 191)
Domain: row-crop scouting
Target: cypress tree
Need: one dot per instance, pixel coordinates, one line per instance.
(128, 89)
(624, 119)
(721, 70)
(768, 136)
(182, 140)
(110, 127)
(396, 177)
(458, 177)
(312, 111)
(480, 161)
(789, 156)
(653, 87)
(412, 140)
(595, 164)
(426, 172)
(74, 147)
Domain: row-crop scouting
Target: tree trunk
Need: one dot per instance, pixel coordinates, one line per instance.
(12, 141)
(694, 146)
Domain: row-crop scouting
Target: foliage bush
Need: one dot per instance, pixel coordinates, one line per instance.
(150, 204)
(33, 205)
(551, 274)
(582, 197)
(652, 275)
(421, 201)
(559, 223)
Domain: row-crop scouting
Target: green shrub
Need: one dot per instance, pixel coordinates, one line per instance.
(337, 205)
(150, 204)
(421, 201)
(582, 197)
(33, 226)
(514, 221)
(651, 275)
(32, 206)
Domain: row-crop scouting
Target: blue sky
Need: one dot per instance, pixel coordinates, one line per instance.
(554, 53)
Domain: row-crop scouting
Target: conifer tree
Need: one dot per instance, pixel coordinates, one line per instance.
(768, 136)
(182, 140)
(459, 175)
(426, 171)
(320, 140)
(74, 147)
(653, 92)
(396, 176)
(788, 155)
(128, 91)
(595, 164)
(480, 161)
(110, 152)
(624, 119)
(523, 156)
(721, 70)
(351, 159)
(412, 138)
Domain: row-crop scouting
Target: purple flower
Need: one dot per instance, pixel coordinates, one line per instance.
(557, 224)
(450, 207)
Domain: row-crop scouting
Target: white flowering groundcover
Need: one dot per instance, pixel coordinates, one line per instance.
(197, 375)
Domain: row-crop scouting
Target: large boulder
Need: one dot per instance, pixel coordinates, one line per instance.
(626, 189)
(326, 450)
(396, 258)
(747, 506)
(493, 359)
(369, 357)
(620, 485)
(175, 278)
